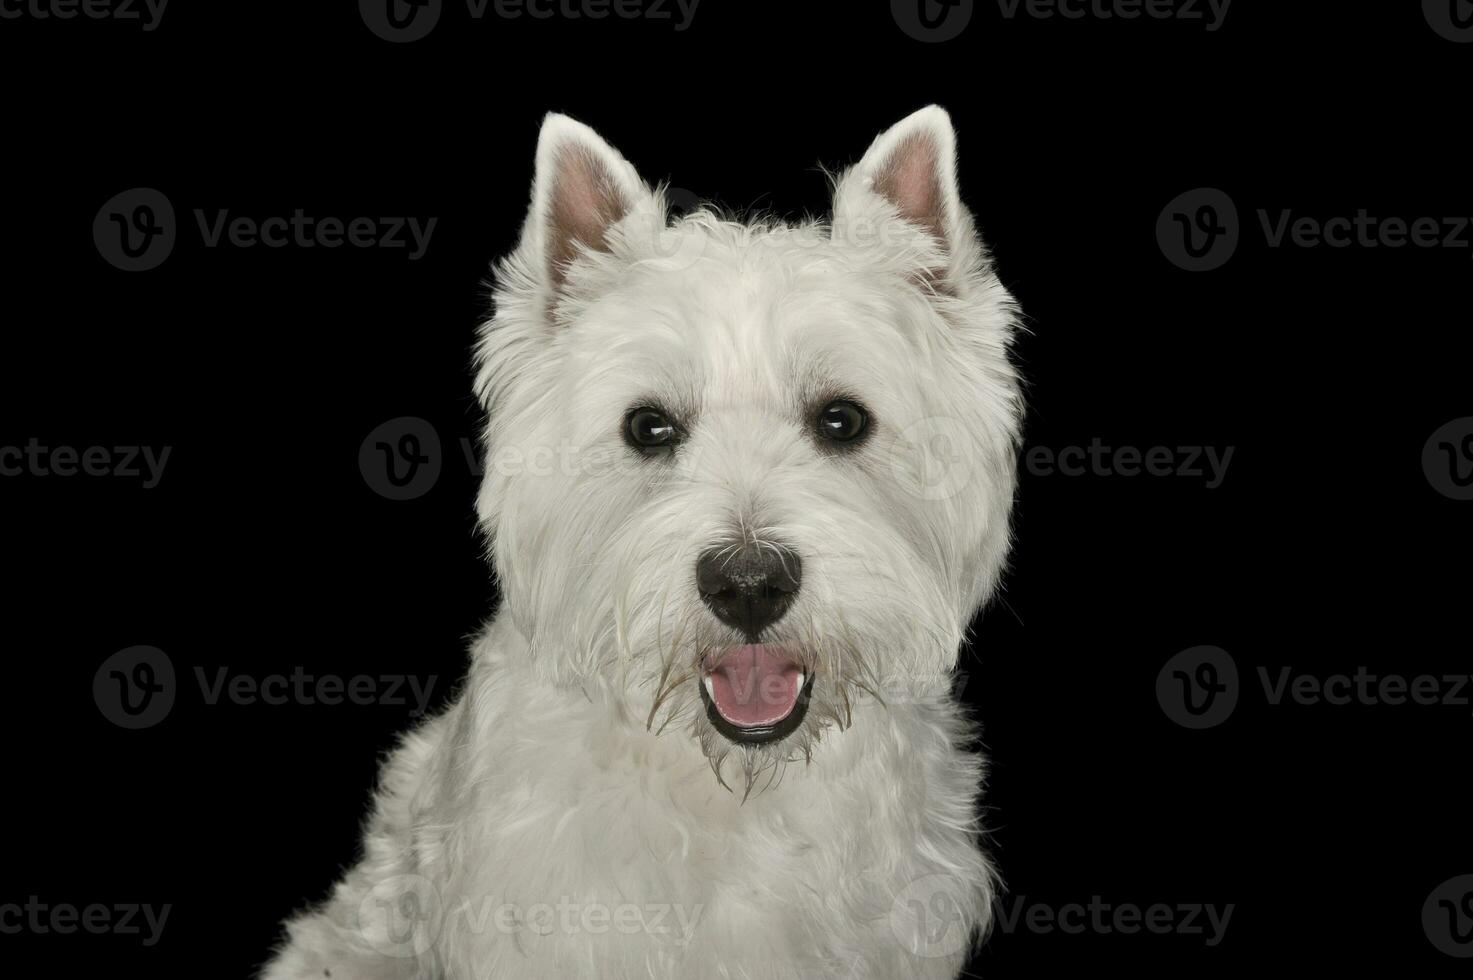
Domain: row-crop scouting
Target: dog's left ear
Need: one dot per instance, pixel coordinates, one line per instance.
(583, 188)
(911, 168)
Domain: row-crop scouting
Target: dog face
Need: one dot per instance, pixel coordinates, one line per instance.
(741, 476)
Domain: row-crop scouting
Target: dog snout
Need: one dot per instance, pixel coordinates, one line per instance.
(749, 587)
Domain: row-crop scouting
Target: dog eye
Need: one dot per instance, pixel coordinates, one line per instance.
(649, 429)
(842, 421)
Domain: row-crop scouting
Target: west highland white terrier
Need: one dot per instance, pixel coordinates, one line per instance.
(746, 485)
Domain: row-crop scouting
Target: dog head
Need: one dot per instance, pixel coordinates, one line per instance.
(740, 475)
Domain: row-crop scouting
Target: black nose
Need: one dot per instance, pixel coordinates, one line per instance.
(749, 587)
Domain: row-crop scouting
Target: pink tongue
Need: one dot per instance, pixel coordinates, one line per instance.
(755, 685)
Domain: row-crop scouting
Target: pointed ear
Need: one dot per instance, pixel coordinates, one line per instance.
(582, 188)
(911, 167)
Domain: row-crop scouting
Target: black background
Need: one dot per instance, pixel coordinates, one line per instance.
(263, 549)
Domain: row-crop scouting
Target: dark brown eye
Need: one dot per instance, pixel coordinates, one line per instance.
(649, 429)
(842, 421)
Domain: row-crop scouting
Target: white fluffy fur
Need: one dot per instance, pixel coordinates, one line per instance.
(577, 765)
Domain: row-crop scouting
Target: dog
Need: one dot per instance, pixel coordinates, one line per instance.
(747, 483)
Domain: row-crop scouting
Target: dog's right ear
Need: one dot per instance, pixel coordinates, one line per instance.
(582, 188)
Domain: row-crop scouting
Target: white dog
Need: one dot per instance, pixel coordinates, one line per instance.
(746, 486)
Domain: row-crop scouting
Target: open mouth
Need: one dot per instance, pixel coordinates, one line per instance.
(755, 693)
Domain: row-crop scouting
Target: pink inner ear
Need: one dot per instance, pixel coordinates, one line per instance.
(585, 200)
(910, 179)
